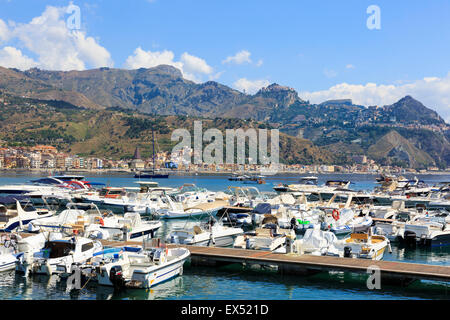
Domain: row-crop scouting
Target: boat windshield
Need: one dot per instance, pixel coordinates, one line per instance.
(6, 214)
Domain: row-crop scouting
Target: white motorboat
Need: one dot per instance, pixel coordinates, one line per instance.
(94, 224)
(358, 245)
(428, 231)
(210, 233)
(143, 269)
(266, 239)
(305, 184)
(178, 210)
(57, 255)
(16, 212)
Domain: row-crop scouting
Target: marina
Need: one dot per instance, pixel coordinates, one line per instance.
(304, 255)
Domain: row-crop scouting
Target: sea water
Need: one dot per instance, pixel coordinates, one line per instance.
(234, 281)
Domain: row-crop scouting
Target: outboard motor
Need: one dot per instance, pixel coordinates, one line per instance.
(347, 252)
(409, 238)
(116, 277)
(293, 223)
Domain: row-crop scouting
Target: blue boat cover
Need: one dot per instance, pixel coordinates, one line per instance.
(263, 208)
(12, 199)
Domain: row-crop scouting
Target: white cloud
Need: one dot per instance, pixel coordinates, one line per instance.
(250, 86)
(433, 92)
(4, 31)
(216, 76)
(191, 67)
(149, 59)
(195, 64)
(329, 73)
(350, 66)
(56, 46)
(259, 63)
(13, 58)
(239, 58)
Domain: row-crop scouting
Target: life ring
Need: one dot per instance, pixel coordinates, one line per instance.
(100, 220)
(408, 196)
(336, 214)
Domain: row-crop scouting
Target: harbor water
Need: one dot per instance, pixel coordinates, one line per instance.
(234, 282)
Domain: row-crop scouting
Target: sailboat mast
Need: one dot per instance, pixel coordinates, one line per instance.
(153, 138)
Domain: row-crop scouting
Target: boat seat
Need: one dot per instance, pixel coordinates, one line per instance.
(263, 232)
(197, 230)
(359, 236)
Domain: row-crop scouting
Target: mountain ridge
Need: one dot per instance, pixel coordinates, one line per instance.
(337, 125)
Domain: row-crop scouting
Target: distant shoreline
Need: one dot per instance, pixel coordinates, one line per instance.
(47, 172)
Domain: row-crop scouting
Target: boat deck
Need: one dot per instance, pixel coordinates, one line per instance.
(218, 204)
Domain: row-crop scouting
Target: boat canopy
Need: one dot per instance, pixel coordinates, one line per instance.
(263, 208)
(12, 199)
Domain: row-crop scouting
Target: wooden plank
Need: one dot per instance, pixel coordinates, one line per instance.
(383, 220)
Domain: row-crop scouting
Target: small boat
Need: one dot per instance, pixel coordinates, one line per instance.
(282, 188)
(254, 179)
(143, 269)
(151, 175)
(428, 231)
(87, 220)
(178, 210)
(16, 212)
(358, 245)
(267, 238)
(58, 255)
(210, 233)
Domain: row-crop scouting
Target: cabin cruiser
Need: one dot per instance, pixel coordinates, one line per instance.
(190, 195)
(237, 177)
(209, 233)
(16, 212)
(177, 210)
(431, 230)
(268, 238)
(145, 199)
(143, 269)
(305, 184)
(57, 255)
(358, 245)
(89, 221)
(326, 190)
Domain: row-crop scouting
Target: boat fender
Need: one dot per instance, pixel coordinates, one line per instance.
(48, 268)
(100, 220)
(389, 246)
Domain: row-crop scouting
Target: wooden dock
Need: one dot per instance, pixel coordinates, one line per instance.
(396, 272)
(391, 271)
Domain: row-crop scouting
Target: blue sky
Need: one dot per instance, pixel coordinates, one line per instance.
(323, 49)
